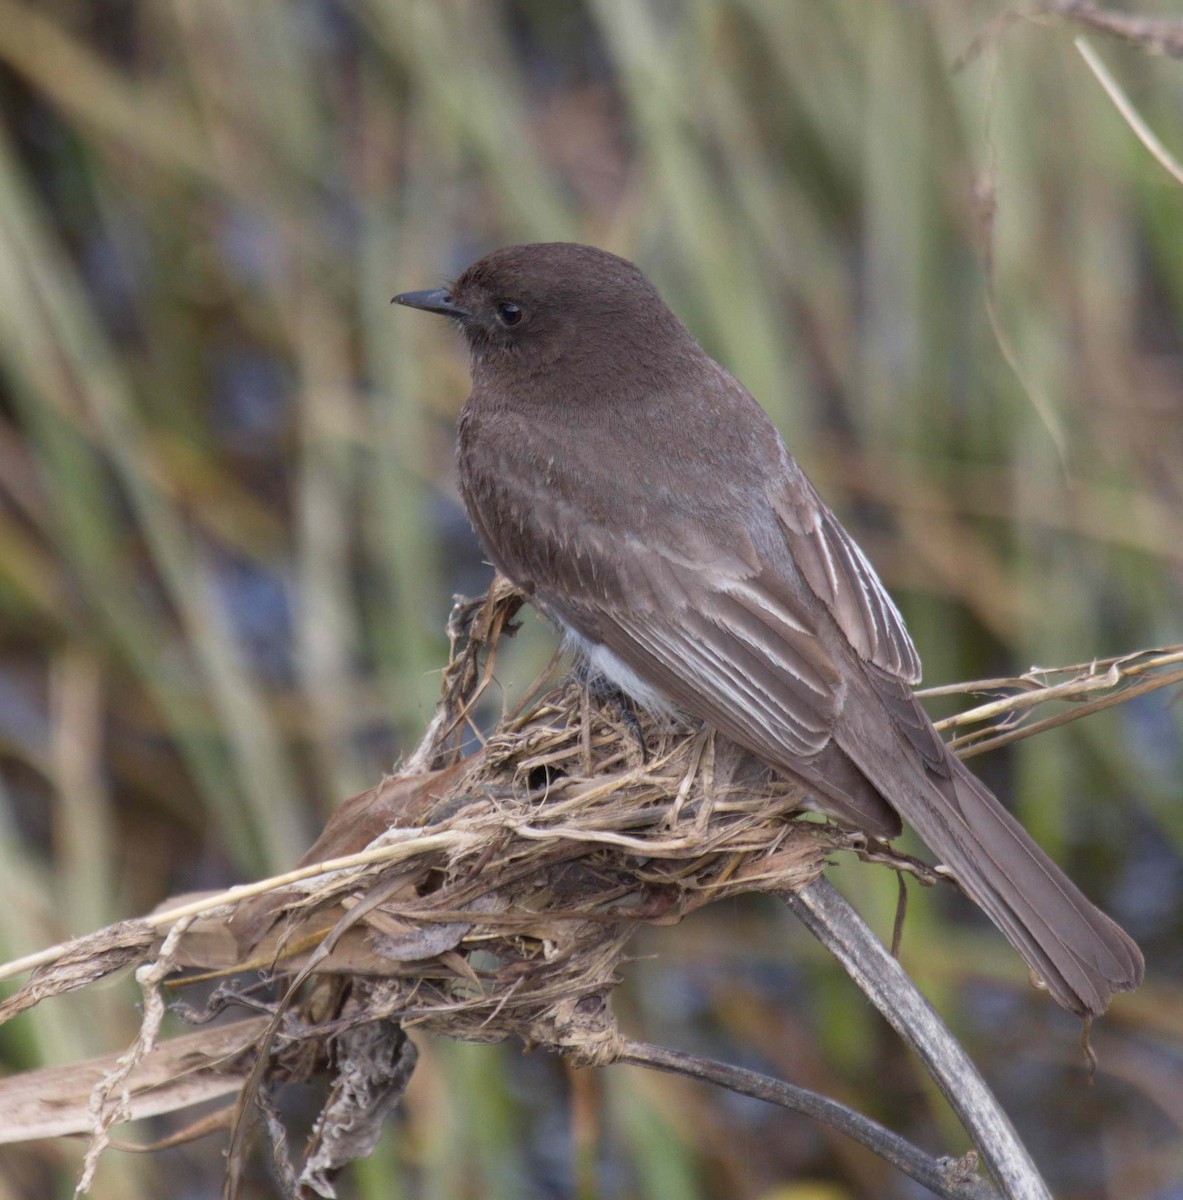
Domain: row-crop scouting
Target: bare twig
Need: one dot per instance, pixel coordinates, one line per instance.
(965, 750)
(950, 1178)
(110, 1101)
(1117, 679)
(1155, 35)
(829, 917)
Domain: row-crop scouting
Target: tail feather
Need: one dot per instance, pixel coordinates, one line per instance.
(1075, 949)
(1080, 953)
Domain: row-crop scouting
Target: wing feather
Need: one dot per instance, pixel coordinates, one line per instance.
(741, 654)
(843, 579)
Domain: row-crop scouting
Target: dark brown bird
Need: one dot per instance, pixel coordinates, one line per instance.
(634, 489)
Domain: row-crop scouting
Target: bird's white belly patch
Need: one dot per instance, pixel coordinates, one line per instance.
(603, 662)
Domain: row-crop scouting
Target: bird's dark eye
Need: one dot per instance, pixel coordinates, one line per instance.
(509, 314)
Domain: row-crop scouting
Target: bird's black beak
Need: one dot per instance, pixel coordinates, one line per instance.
(437, 301)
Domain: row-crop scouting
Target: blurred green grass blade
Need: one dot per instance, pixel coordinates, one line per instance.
(83, 522)
(686, 208)
(642, 1109)
(28, 921)
(478, 1112)
(457, 59)
(54, 309)
(405, 613)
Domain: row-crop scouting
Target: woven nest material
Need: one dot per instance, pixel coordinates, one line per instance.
(567, 840)
(493, 895)
(480, 897)
(517, 876)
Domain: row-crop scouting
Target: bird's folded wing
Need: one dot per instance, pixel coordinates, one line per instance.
(742, 658)
(738, 657)
(842, 578)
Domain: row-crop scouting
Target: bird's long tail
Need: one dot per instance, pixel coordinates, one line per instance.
(1075, 949)
(1082, 955)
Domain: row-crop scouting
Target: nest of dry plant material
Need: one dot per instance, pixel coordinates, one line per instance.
(510, 912)
(481, 896)
(505, 886)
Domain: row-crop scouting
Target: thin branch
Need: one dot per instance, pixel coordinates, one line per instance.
(1155, 35)
(946, 1177)
(1116, 676)
(1086, 677)
(828, 916)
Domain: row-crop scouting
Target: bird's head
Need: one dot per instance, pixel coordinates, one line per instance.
(551, 301)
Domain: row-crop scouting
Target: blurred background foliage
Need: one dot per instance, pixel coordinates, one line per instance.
(230, 532)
